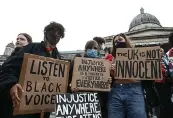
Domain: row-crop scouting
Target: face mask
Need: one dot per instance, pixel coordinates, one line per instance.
(92, 53)
(121, 44)
(103, 47)
(51, 38)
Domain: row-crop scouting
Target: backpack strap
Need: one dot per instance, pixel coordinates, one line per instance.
(58, 54)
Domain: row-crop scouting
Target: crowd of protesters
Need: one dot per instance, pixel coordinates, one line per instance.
(127, 98)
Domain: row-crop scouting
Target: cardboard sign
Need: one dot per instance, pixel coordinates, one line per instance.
(138, 63)
(78, 105)
(91, 74)
(41, 78)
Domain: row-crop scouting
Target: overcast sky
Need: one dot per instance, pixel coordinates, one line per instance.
(82, 19)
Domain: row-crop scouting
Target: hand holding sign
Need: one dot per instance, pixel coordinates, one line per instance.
(110, 80)
(42, 114)
(112, 70)
(15, 92)
(75, 89)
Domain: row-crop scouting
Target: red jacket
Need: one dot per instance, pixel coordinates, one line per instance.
(109, 57)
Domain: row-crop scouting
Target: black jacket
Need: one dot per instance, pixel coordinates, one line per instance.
(10, 73)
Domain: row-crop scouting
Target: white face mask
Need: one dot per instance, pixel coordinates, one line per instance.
(103, 47)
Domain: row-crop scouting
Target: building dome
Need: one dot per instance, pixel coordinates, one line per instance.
(11, 45)
(144, 20)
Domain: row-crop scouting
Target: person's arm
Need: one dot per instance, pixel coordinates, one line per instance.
(11, 71)
(10, 75)
(70, 76)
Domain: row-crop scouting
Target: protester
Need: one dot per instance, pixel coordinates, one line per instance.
(91, 51)
(126, 99)
(164, 86)
(101, 43)
(11, 72)
(110, 58)
(153, 100)
(22, 40)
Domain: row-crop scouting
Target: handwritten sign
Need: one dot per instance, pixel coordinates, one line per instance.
(138, 63)
(41, 78)
(91, 74)
(78, 105)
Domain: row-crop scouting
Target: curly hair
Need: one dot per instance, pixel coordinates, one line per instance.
(99, 40)
(53, 26)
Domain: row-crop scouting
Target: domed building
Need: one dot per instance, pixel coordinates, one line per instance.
(8, 50)
(146, 30)
(143, 21)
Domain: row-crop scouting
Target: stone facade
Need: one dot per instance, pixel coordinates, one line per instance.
(8, 50)
(69, 55)
(145, 30)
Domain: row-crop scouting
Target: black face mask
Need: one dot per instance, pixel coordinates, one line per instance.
(121, 45)
(51, 37)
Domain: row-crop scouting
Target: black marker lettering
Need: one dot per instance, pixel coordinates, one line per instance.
(28, 100)
(141, 66)
(28, 86)
(44, 69)
(39, 67)
(36, 99)
(43, 87)
(32, 67)
(146, 69)
(35, 88)
(50, 68)
(135, 72)
(61, 70)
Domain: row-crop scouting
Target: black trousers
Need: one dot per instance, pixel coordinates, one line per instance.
(104, 104)
(165, 94)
